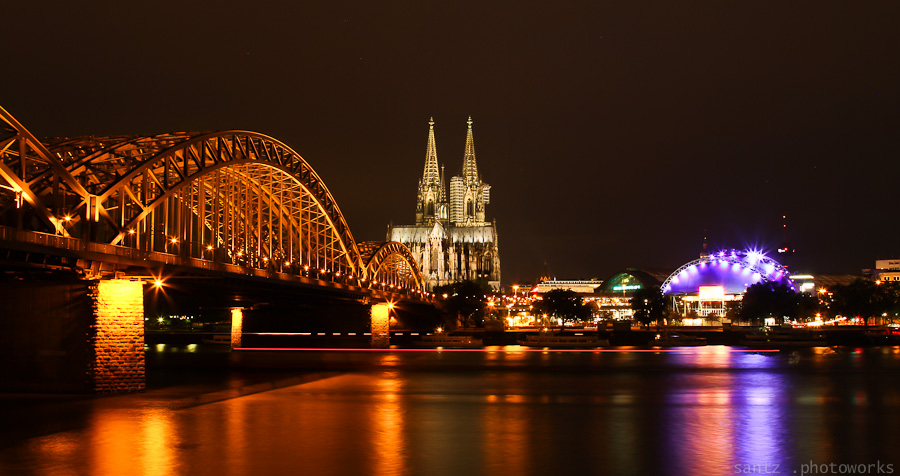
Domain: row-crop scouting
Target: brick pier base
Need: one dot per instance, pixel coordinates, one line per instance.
(116, 337)
(380, 325)
(72, 336)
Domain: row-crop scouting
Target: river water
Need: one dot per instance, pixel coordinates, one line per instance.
(691, 411)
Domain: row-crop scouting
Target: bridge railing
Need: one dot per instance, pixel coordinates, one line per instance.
(57, 241)
(78, 246)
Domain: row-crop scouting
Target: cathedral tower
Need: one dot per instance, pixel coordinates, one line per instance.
(451, 240)
(468, 194)
(431, 203)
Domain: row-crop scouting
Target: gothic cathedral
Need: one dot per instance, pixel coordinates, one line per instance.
(451, 240)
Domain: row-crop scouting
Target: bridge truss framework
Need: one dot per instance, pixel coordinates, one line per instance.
(235, 197)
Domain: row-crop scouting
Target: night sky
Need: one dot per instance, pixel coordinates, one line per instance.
(612, 133)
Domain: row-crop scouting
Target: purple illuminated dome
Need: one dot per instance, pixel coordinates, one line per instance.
(734, 270)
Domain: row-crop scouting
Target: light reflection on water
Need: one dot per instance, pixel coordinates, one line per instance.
(723, 420)
(697, 412)
(389, 427)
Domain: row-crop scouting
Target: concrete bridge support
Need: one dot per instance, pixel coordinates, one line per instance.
(380, 325)
(237, 327)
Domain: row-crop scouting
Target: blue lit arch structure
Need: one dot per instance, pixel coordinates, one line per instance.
(734, 270)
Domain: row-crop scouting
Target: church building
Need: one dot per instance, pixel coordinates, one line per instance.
(452, 239)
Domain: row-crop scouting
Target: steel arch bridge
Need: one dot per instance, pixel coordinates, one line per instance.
(235, 197)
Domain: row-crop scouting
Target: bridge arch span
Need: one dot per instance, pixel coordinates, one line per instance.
(391, 262)
(235, 196)
(238, 196)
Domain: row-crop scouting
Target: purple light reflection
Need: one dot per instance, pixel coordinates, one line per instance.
(760, 418)
(721, 419)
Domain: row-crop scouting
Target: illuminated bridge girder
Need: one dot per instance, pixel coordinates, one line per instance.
(391, 264)
(238, 196)
(26, 167)
(235, 197)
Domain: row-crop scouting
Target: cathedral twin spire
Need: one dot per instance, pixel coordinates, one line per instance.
(468, 195)
(470, 167)
(432, 171)
(451, 241)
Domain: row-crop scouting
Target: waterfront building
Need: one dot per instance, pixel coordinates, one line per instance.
(452, 240)
(576, 286)
(887, 270)
(703, 287)
(820, 283)
(613, 298)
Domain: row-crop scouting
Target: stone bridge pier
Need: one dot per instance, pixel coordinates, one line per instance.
(72, 335)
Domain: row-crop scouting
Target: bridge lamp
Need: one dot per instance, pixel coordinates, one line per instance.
(287, 263)
(157, 283)
(67, 218)
(209, 247)
(392, 320)
(265, 258)
(174, 240)
(131, 231)
(240, 253)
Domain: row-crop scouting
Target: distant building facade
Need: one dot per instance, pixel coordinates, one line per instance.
(887, 270)
(576, 286)
(821, 283)
(452, 240)
(614, 296)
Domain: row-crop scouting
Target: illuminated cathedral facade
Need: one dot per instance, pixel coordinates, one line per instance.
(452, 240)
